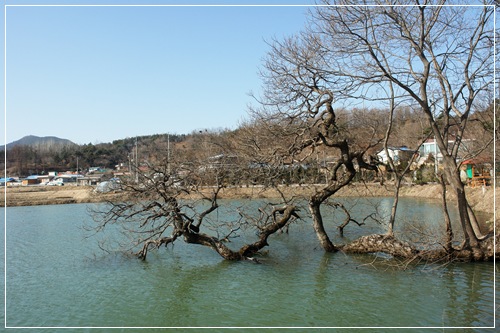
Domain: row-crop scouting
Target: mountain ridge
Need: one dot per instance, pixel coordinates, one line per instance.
(41, 143)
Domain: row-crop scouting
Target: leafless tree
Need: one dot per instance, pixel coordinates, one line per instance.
(427, 55)
(398, 175)
(169, 200)
(437, 57)
(298, 97)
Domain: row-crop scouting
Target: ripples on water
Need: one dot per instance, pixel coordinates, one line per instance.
(55, 277)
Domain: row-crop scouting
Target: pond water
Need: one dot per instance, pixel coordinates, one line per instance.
(55, 277)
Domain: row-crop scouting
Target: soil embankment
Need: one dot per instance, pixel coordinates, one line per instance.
(480, 199)
(50, 195)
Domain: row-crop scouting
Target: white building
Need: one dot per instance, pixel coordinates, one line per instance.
(397, 154)
(430, 147)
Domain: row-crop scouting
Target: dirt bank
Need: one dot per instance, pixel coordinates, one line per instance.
(50, 195)
(480, 199)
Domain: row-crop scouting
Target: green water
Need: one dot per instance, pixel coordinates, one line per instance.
(58, 278)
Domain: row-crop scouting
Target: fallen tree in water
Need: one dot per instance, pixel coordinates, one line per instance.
(158, 207)
(402, 250)
(344, 59)
(168, 203)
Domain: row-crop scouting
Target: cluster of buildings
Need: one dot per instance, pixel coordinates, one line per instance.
(474, 171)
(93, 177)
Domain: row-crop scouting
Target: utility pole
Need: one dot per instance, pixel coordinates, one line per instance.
(77, 173)
(136, 162)
(435, 156)
(168, 154)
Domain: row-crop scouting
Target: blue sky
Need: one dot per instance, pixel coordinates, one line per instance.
(97, 74)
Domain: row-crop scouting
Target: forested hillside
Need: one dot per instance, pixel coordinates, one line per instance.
(34, 155)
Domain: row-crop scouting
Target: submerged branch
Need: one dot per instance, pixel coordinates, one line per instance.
(402, 250)
(157, 243)
(287, 213)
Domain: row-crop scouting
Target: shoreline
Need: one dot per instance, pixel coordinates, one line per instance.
(480, 199)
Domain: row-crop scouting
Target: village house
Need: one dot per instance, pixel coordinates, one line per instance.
(397, 154)
(430, 147)
(37, 179)
(91, 180)
(9, 181)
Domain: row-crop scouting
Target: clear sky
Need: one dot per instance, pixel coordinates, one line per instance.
(97, 74)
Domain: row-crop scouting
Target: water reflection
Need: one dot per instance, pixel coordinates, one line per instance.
(470, 295)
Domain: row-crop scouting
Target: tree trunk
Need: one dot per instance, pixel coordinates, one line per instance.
(247, 250)
(381, 243)
(475, 225)
(392, 219)
(449, 230)
(212, 242)
(333, 187)
(324, 240)
(470, 239)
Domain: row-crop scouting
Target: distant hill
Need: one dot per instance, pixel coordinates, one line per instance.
(42, 143)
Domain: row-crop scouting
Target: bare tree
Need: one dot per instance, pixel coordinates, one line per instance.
(170, 200)
(438, 57)
(431, 57)
(299, 96)
(426, 56)
(398, 175)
